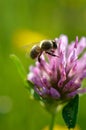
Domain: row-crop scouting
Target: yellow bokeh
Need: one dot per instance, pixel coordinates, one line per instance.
(26, 38)
(57, 127)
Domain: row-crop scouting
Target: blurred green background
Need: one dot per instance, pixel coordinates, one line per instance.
(23, 21)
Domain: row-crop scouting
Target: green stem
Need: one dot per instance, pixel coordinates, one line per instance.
(52, 121)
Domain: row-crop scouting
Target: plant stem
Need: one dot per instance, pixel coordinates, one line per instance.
(52, 121)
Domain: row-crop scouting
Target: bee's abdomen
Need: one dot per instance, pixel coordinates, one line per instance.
(35, 51)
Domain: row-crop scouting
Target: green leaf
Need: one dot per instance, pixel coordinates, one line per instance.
(30, 84)
(70, 112)
(20, 68)
(36, 96)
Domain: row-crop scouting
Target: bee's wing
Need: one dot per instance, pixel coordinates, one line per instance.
(30, 45)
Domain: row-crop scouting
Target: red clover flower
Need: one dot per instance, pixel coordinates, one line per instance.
(59, 78)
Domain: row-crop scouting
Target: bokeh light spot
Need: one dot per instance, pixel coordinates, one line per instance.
(58, 127)
(22, 38)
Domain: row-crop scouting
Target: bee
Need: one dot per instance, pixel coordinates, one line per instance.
(47, 46)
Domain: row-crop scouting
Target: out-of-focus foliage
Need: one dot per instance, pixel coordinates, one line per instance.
(22, 22)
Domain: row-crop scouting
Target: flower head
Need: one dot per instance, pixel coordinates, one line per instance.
(59, 78)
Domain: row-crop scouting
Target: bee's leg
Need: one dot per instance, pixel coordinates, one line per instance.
(39, 59)
(51, 54)
(52, 51)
